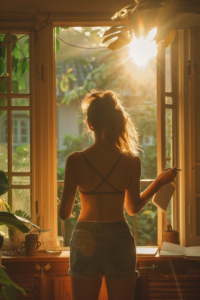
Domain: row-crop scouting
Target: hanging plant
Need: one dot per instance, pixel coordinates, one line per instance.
(142, 16)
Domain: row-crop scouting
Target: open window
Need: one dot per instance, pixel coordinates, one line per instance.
(147, 89)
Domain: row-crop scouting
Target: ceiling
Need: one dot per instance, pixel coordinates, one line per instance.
(64, 6)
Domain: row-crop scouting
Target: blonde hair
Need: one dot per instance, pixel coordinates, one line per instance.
(105, 113)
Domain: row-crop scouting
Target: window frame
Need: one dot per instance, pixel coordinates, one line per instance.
(160, 124)
(9, 108)
(42, 85)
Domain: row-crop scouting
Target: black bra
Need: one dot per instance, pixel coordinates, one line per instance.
(93, 191)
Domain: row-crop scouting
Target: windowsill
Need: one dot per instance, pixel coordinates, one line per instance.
(146, 251)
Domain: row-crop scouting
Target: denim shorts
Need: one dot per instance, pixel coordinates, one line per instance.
(102, 249)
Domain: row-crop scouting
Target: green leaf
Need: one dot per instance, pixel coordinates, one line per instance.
(23, 67)
(5, 280)
(15, 86)
(11, 220)
(21, 81)
(17, 52)
(9, 292)
(58, 30)
(4, 184)
(72, 77)
(14, 62)
(1, 67)
(1, 241)
(3, 86)
(57, 46)
(3, 48)
(26, 41)
(26, 50)
(8, 209)
(14, 37)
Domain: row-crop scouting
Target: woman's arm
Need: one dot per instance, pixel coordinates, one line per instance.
(134, 201)
(69, 190)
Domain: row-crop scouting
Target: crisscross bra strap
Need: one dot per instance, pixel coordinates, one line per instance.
(104, 179)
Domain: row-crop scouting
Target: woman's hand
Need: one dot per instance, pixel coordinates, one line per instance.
(167, 175)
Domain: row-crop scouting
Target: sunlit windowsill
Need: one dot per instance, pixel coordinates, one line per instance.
(148, 250)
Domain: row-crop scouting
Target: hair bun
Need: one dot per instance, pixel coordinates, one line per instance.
(107, 116)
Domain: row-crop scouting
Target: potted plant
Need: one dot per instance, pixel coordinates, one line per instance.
(9, 290)
(17, 223)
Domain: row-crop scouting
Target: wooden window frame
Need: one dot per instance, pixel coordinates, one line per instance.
(44, 118)
(9, 108)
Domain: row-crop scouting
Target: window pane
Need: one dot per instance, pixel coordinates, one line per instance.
(20, 64)
(80, 70)
(3, 102)
(168, 70)
(21, 180)
(197, 215)
(21, 141)
(197, 179)
(4, 228)
(3, 61)
(169, 137)
(21, 200)
(69, 223)
(20, 102)
(170, 212)
(147, 224)
(168, 100)
(3, 141)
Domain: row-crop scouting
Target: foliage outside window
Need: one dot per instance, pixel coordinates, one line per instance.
(79, 71)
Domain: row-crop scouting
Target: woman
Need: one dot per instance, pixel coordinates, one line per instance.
(107, 175)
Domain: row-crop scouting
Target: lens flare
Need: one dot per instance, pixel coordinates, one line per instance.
(142, 50)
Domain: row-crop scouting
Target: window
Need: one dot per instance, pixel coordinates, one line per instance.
(15, 116)
(80, 70)
(28, 115)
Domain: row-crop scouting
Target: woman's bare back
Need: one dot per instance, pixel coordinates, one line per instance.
(102, 207)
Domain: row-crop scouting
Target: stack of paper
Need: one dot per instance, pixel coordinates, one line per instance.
(177, 250)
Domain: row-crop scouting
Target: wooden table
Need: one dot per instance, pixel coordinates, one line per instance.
(45, 276)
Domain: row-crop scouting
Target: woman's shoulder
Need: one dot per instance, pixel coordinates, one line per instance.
(132, 159)
(72, 157)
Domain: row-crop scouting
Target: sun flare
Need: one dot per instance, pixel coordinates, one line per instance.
(142, 50)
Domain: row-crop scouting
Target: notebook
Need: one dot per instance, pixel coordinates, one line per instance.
(170, 249)
(162, 198)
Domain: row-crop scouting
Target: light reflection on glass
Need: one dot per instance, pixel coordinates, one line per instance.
(3, 141)
(21, 141)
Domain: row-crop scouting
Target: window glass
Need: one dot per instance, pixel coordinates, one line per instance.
(169, 153)
(168, 100)
(20, 101)
(20, 63)
(21, 141)
(78, 70)
(168, 70)
(4, 228)
(21, 180)
(147, 224)
(169, 137)
(3, 61)
(3, 140)
(21, 200)
(3, 102)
